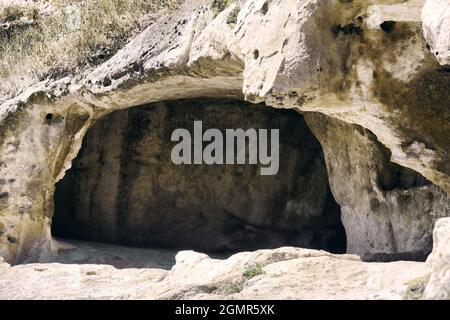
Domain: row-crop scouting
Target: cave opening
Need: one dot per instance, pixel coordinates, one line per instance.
(124, 189)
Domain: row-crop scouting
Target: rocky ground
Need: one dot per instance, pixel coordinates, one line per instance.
(96, 271)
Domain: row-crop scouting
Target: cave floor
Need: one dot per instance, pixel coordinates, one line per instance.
(83, 270)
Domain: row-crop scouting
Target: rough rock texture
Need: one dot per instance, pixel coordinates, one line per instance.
(436, 28)
(285, 273)
(331, 60)
(387, 210)
(439, 285)
(123, 187)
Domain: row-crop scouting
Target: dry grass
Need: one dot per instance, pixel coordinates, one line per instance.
(57, 37)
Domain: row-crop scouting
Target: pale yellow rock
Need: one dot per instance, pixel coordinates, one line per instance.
(284, 273)
(439, 285)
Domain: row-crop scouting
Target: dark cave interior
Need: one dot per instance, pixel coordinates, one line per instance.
(124, 189)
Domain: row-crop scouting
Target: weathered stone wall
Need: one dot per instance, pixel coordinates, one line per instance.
(388, 211)
(124, 188)
(35, 144)
(438, 286)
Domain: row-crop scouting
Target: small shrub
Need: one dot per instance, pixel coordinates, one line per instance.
(253, 271)
(249, 273)
(232, 18)
(220, 5)
(11, 13)
(235, 288)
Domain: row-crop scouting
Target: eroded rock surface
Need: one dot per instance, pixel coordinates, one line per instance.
(387, 210)
(285, 273)
(439, 285)
(436, 28)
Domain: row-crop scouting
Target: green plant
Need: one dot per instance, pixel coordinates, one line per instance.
(253, 271)
(220, 5)
(235, 288)
(232, 18)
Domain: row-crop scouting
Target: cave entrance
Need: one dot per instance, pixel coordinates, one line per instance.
(124, 189)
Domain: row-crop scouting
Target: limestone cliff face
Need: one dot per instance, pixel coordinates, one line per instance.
(376, 70)
(386, 208)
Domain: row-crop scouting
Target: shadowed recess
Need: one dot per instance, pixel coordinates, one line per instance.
(124, 189)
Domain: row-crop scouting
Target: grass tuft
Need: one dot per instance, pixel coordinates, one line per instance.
(253, 271)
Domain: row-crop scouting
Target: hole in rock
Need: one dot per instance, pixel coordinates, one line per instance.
(48, 118)
(123, 187)
(265, 8)
(388, 26)
(255, 54)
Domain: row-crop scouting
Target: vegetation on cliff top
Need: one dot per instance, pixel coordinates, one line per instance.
(57, 37)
